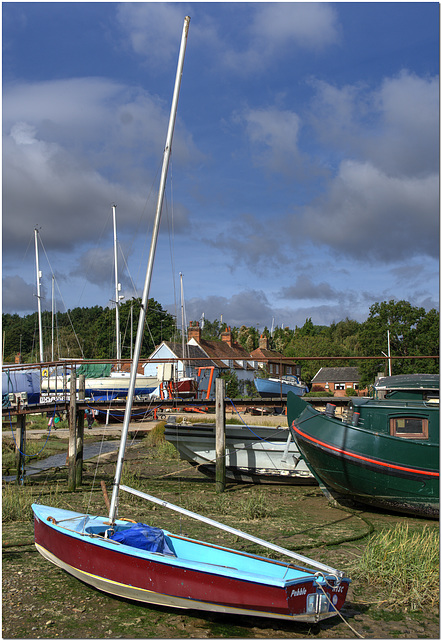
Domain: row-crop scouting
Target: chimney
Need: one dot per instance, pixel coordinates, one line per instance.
(194, 331)
(226, 337)
(263, 342)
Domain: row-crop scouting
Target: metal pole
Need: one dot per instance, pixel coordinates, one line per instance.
(117, 289)
(53, 316)
(220, 435)
(148, 278)
(39, 274)
(184, 364)
(236, 532)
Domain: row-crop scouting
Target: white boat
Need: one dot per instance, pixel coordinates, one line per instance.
(276, 387)
(255, 454)
(150, 565)
(107, 387)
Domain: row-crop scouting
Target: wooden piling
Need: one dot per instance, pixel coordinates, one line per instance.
(71, 455)
(20, 446)
(220, 435)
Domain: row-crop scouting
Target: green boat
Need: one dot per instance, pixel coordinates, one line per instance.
(383, 452)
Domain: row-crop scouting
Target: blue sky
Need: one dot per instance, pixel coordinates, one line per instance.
(304, 180)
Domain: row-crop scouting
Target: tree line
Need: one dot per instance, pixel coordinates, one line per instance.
(90, 333)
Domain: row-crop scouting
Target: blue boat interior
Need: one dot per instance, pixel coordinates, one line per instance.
(171, 546)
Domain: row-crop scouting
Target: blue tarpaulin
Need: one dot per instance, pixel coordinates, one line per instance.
(20, 381)
(144, 537)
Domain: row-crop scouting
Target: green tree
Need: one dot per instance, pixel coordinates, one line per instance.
(212, 330)
(412, 332)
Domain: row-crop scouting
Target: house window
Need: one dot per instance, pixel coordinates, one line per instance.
(277, 368)
(410, 427)
(339, 386)
(289, 370)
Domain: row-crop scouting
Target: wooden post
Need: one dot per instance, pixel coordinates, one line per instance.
(20, 445)
(80, 432)
(71, 455)
(220, 435)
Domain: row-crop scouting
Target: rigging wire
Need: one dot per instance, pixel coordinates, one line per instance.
(61, 296)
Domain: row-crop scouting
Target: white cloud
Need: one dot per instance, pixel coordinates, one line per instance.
(309, 25)
(393, 126)
(153, 28)
(305, 289)
(73, 147)
(273, 134)
(273, 28)
(368, 214)
(241, 308)
(266, 31)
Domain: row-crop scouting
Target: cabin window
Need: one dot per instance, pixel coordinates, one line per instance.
(410, 427)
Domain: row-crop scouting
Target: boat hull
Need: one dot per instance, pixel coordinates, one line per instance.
(273, 388)
(255, 454)
(106, 388)
(206, 577)
(368, 465)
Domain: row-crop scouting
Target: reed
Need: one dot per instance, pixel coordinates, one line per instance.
(405, 564)
(255, 506)
(160, 448)
(17, 501)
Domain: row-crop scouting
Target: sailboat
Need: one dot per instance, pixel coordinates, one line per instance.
(151, 565)
(101, 383)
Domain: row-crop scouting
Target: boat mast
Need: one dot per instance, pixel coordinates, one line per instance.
(184, 362)
(53, 316)
(117, 290)
(148, 277)
(39, 274)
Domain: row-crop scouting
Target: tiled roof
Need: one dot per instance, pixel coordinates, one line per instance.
(219, 351)
(337, 374)
(273, 356)
(192, 351)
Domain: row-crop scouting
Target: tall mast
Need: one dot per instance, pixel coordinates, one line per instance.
(148, 277)
(117, 290)
(184, 362)
(53, 316)
(39, 274)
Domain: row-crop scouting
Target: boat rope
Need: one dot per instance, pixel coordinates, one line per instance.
(282, 444)
(338, 541)
(23, 453)
(330, 603)
(61, 296)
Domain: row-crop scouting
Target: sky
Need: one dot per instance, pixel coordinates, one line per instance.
(304, 180)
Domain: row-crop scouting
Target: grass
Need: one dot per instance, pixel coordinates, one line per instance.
(289, 516)
(17, 501)
(405, 565)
